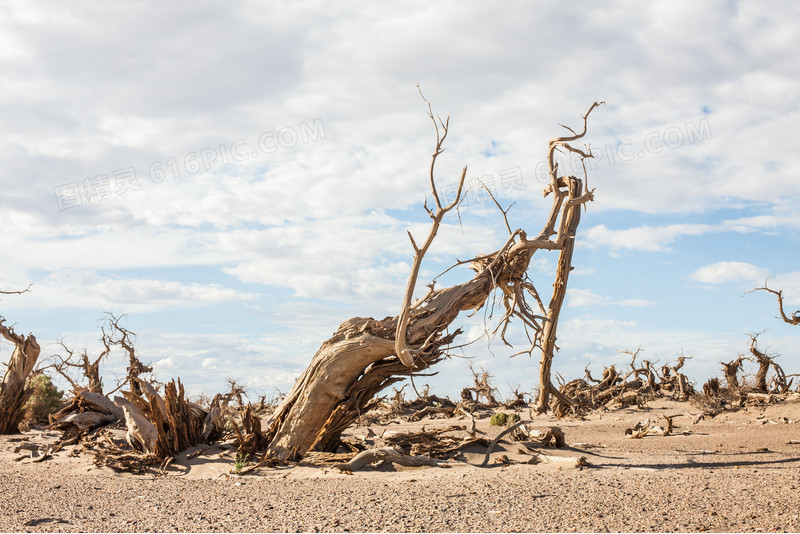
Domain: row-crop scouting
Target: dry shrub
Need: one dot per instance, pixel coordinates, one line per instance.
(45, 399)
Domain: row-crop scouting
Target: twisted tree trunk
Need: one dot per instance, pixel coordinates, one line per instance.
(13, 389)
(366, 355)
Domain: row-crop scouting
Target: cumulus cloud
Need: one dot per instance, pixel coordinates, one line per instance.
(83, 101)
(637, 303)
(643, 238)
(88, 290)
(584, 297)
(729, 271)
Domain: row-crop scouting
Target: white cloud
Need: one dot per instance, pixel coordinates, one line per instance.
(584, 297)
(637, 303)
(85, 289)
(83, 98)
(642, 238)
(587, 297)
(730, 271)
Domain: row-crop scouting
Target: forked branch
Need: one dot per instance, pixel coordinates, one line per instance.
(404, 352)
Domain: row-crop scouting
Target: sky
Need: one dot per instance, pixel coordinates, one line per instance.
(238, 178)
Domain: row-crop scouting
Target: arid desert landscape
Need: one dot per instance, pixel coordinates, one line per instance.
(738, 470)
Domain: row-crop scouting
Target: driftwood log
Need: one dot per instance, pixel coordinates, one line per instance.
(386, 454)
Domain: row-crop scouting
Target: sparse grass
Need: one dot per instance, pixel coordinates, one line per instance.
(240, 462)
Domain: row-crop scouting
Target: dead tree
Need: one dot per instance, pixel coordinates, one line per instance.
(482, 387)
(27, 289)
(765, 362)
(89, 368)
(164, 426)
(14, 390)
(366, 355)
(114, 334)
(731, 371)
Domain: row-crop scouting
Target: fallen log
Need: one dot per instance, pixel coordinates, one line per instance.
(386, 454)
(86, 412)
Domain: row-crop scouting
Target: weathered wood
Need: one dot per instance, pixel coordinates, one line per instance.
(446, 411)
(211, 422)
(386, 454)
(572, 215)
(14, 391)
(84, 421)
(365, 355)
(142, 434)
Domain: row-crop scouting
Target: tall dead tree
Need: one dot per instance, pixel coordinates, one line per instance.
(14, 390)
(366, 355)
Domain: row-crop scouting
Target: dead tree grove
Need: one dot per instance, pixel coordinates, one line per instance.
(366, 355)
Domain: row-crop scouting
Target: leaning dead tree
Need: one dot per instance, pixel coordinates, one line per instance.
(14, 389)
(366, 355)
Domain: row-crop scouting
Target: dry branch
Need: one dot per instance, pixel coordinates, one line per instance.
(794, 318)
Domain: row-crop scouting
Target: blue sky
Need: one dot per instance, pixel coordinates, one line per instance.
(239, 179)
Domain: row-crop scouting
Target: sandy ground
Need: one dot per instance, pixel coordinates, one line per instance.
(735, 472)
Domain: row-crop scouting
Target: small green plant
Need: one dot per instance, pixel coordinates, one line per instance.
(239, 463)
(503, 419)
(45, 399)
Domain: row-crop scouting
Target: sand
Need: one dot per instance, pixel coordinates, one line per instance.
(738, 471)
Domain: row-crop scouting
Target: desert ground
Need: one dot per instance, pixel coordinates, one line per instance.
(738, 471)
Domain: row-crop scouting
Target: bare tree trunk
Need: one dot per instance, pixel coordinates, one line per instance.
(354, 365)
(764, 363)
(564, 266)
(731, 370)
(88, 368)
(13, 389)
(366, 355)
